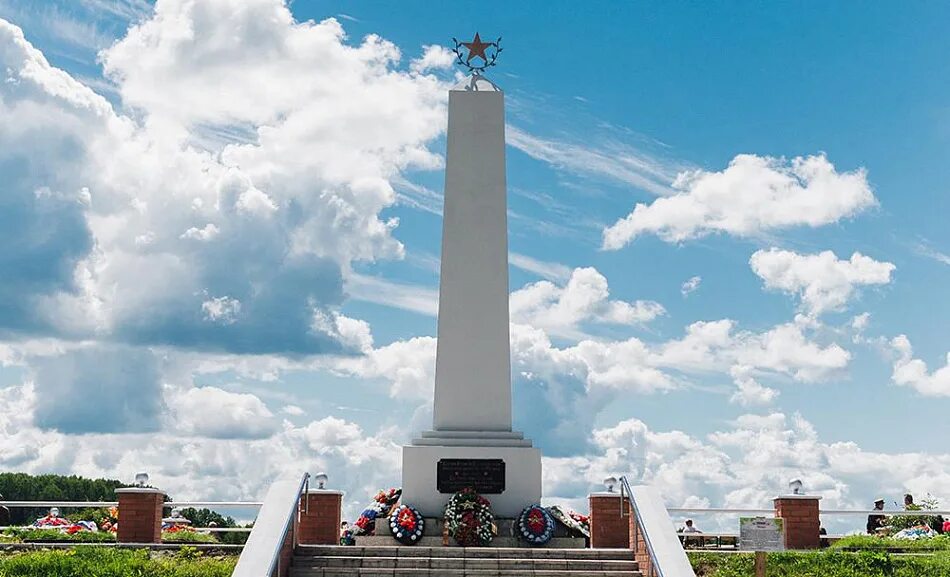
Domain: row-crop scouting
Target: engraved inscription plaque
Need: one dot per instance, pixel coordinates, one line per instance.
(485, 475)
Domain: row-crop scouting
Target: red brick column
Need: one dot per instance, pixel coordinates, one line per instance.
(608, 529)
(140, 515)
(800, 519)
(320, 522)
(641, 552)
(286, 552)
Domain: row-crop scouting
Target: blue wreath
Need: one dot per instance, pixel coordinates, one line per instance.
(402, 534)
(536, 535)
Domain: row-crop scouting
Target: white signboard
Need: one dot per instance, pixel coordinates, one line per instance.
(761, 534)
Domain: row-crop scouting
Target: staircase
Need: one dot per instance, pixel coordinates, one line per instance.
(335, 561)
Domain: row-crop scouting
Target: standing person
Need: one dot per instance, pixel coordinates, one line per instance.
(909, 503)
(876, 521)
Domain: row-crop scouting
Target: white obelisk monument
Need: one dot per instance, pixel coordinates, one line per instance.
(471, 441)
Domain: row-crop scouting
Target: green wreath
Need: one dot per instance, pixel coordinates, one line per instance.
(469, 519)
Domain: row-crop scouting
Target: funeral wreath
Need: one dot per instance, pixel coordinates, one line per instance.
(535, 525)
(469, 519)
(406, 525)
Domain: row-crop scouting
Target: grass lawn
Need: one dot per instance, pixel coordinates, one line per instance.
(108, 562)
(873, 543)
(829, 563)
(21, 535)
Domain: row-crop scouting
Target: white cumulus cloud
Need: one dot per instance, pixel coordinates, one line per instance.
(753, 195)
(911, 372)
(584, 298)
(216, 413)
(822, 281)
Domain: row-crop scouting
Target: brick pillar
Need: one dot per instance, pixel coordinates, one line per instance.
(799, 514)
(608, 529)
(140, 515)
(641, 552)
(286, 555)
(320, 523)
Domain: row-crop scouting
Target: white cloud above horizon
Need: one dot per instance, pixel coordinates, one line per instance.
(754, 195)
(822, 281)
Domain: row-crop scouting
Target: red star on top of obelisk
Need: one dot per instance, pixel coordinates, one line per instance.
(476, 48)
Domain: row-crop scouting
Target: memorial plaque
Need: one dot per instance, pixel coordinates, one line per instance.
(761, 534)
(484, 475)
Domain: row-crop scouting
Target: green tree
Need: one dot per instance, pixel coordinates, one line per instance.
(23, 487)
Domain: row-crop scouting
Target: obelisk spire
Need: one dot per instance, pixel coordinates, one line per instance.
(472, 444)
(473, 367)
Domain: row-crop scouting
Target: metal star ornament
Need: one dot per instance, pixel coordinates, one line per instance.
(476, 49)
(487, 51)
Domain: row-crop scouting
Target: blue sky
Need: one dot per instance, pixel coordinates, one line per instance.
(237, 205)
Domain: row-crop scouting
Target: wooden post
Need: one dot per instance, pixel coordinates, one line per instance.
(760, 564)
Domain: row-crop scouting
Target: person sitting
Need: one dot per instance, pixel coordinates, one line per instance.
(689, 527)
(875, 522)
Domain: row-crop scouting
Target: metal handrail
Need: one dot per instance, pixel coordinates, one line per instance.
(261, 554)
(681, 567)
(198, 529)
(96, 504)
(860, 512)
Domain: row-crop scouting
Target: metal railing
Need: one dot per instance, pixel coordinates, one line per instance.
(97, 504)
(716, 536)
(654, 526)
(261, 554)
(101, 504)
(860, 512)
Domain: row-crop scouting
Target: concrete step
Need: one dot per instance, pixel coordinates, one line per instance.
(341, 572)
(304, 551)
(585, 565)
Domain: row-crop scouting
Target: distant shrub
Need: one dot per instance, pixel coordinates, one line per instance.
(25, 535)
(832, 563)
(111, 562)
(874, 543)
(187, 537)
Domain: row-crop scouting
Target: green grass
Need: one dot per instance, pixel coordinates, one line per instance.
(832, 563)
(188, 537)
(874, 543)
(109, 562)
(54, 536)
(22, 535)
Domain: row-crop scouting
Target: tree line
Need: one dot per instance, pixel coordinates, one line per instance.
(24, 487)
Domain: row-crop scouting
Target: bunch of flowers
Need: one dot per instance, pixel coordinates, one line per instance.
(382, 504)
(571, 519)
(582, 520)
(390, 497)
(536, 525)
(469, 519)
(406, 524)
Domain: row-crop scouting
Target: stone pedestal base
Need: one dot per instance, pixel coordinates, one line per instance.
(522, 473)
